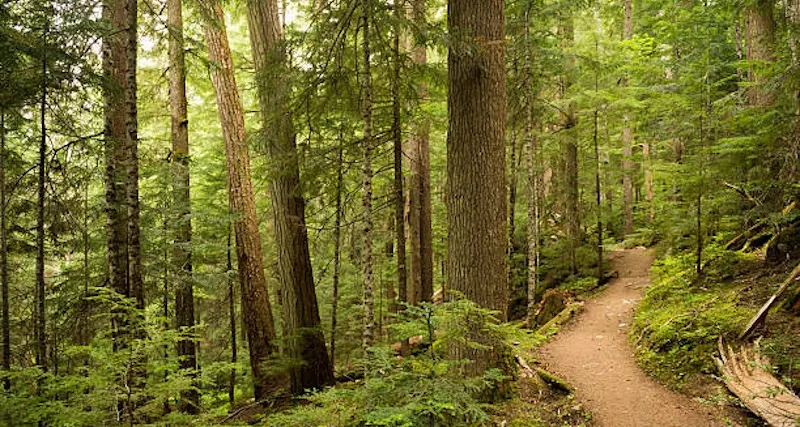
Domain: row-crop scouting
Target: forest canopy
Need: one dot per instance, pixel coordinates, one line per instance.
(284, 211)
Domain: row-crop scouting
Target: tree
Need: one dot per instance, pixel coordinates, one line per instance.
(182, 249)
(367, 261)
(627, 136)
(420, 284)
(301, 321)
(256, 309)
(760, 41)
(476, 205)
(39, 316)
(568, 121)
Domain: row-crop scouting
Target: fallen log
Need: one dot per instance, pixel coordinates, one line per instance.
(564, 316)
(746, 375)
(759, 318)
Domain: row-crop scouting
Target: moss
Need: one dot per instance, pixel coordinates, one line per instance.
(677, 324)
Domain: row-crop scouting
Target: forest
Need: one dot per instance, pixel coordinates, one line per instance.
(400, 213)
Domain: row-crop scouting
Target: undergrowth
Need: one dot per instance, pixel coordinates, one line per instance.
(677, 325)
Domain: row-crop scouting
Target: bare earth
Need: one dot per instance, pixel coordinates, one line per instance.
(594, 355)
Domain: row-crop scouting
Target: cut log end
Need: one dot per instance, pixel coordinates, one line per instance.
(746, 374)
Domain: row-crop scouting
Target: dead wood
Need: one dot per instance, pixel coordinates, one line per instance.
(759, 318)
(747, 376)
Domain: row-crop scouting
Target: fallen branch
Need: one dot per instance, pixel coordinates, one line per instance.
(555, 381)
(759, 318)
(746, 375)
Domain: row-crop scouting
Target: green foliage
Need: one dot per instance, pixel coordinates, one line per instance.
(681, 317)
(425, 388)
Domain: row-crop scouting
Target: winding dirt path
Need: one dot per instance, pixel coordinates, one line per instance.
(594, 355)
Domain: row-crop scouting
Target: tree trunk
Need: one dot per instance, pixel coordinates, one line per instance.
(650, 193)
(420, 283)
(532, 163)
(627, 138)
(512, 209)
(397, 138)
(476, 256)
(182, 248)
(4, 252)
(337, 246)
(256, 309)
(760, 37)
(134, 235)
(39, 317)
(305, 342)
(367, 261)
(569, 121)
(115, 65)
(232, 319)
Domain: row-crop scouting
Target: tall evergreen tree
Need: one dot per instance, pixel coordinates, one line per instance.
(476, 205)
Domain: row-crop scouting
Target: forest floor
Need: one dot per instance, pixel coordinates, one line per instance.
(594, 355)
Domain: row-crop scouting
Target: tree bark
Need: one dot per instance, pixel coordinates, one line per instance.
(367, 258)
(39, 317)
(337, 246)
(397, 138)
(532, 163)
(6, 330)
(256, 309)
(420, 283)
(301, 322)
(232, 319)
(649, 189)
(627, 137)
(569, 121)
(134, 235)
(760, 38)
(182, 247)
(476, 255)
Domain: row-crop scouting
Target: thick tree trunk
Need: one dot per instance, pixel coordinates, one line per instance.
(182, 247)
(627, 138)
(39, 317)
(115, 65)
(760, 37)
(305, 341)
(367, 261)
(476, 255)
(256, 309)
(6, 329)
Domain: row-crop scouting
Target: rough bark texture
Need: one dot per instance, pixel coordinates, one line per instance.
(476, 262)
(420, 283)
(760, 38)
(115, 65)
(745, 375)
(256, 310)
(232, 319)
(792, 163)
(367, 259)
(6, 330)
(627, 138)
(301, 322)
(182, 247)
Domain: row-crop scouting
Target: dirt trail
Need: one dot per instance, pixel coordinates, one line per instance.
(594, 355)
